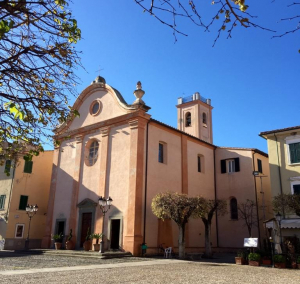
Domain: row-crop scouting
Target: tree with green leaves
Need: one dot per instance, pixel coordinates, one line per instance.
(178, 207)
(37, 61)
(206, 210)
(287, 203)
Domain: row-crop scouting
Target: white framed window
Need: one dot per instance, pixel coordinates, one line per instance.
(19, 232)
(231, 166)
(293, 149)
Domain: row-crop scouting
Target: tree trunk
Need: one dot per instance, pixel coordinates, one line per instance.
(208, 250)
(181, 242)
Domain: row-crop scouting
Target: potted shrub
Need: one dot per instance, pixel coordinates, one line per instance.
(87, 245)
(279, 261)
(241, 257)
(69, 243)
(254, 259)
(57, 240)
(97, 237)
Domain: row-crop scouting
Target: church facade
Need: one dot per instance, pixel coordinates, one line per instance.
(117, 150)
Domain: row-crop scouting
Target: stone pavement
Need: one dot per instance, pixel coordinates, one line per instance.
(58, 269)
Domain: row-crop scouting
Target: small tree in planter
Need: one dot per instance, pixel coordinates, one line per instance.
(242, 257)
(279, 261)
(298, 261)
(97, 237)
(254, 259)
(87, 245)
(69, 243)
(57, 240)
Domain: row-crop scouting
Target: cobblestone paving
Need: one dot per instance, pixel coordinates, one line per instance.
(186, 272)
(17, 262)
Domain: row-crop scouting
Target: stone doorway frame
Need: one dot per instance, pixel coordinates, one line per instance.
(115, 217)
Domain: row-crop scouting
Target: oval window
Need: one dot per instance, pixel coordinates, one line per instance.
(93, 153)
(95, 107)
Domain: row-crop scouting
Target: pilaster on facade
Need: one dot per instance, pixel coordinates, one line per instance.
(133, 236)
(76, 182)
(104, 151)
(46, 241)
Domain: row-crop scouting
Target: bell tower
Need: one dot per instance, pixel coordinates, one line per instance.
(194, 114)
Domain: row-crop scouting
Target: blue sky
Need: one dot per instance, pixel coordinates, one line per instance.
(252, 79)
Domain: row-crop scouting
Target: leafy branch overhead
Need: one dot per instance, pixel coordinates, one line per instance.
(37, 60)
(225, 14)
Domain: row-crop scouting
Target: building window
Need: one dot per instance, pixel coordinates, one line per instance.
(7, 166)
(160, 152)
(28, 167)
(2, 201)
(23, 202)
(294, 152)
(19, 231)
(93, 153)
(233, 209)
(295, 187)
(199, 164)
(230, 165)
(259, 166)
(188, 119)
(95, 107)
(204, 118)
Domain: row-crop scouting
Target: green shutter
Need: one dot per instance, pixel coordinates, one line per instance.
(223, 166)
(259, 165)
(2, 201)
(237, 164)
(23, 202)
(28, 167)
(7, 166)
(295, 153)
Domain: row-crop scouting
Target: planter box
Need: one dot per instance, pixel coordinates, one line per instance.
(69, 245)
(279, 265)
(87, 245)
(254, 263)
(96, 247)
(57, 245)
(266, 262)
(298, 265)
(240, 260)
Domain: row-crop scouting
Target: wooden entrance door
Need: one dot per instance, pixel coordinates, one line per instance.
(85, 224)
(115, 233)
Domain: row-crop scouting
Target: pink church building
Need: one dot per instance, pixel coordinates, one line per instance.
(116, 149)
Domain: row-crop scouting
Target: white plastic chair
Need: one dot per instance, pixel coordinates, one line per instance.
(168, 252)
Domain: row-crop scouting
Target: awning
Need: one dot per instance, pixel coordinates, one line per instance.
(285, 224)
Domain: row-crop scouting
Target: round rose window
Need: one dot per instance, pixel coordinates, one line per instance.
(95, 107)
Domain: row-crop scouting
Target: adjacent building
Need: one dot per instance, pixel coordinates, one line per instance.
(28, 183)
(116, 149)
(284, 163)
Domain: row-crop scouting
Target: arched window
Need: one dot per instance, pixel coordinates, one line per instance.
(93, 153)
(233, 209)
(188, 119)
(204, 118)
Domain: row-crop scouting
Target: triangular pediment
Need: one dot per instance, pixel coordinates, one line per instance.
(87, 203)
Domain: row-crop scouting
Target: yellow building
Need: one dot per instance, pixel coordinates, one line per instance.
(28, 183)
(284, 163)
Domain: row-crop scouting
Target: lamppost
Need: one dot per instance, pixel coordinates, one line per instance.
(272, 250)
(104, 206)
(31, 211)
(279, 219)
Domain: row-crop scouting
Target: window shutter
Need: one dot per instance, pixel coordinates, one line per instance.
(259, 165)
(2, 201)
(23, 202)
(28, 167)
(237, 164)
(223, 166)
(7, 166)
(297, 153)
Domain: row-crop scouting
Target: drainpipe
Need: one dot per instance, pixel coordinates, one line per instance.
(11, 187)
(146, 179)
(256, 200)
(215, 187)
(279, 172)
